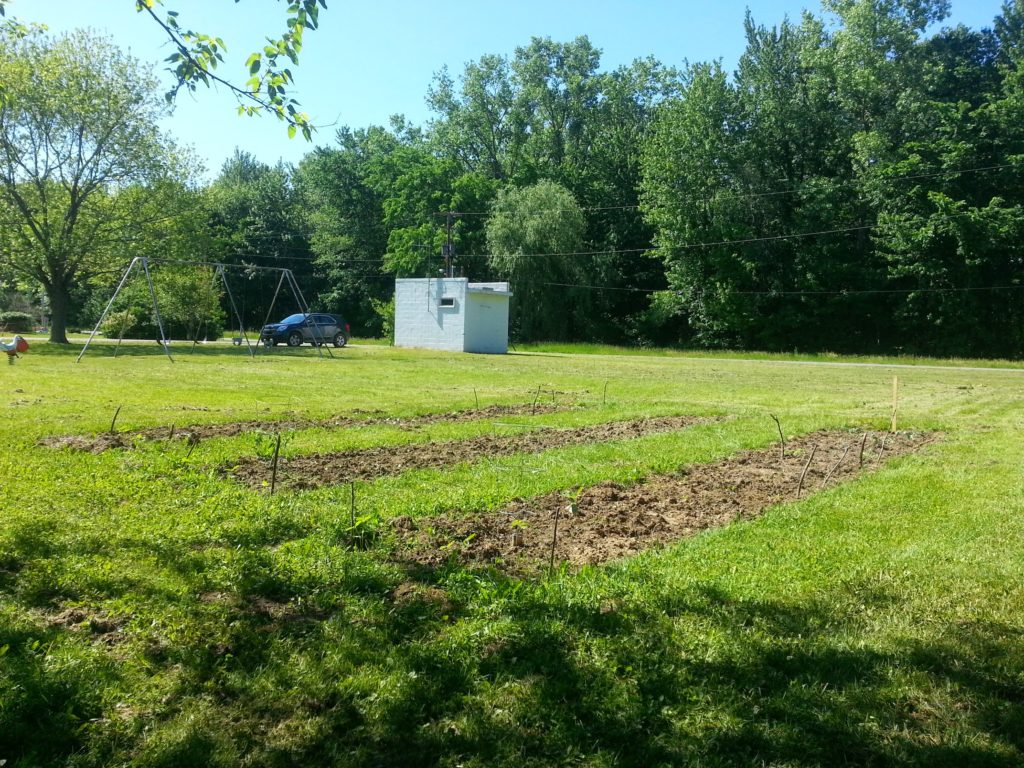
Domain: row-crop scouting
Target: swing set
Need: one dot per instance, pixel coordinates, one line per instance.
(220, 272)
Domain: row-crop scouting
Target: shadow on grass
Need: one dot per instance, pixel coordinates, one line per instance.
(481, 670)
(47, 697)
(179, 350)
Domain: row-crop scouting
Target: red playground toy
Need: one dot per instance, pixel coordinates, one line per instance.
(13, 349)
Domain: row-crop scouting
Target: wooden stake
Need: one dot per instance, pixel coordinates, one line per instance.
(878, 456)
(114, 420)
(860, 454)
(895, 401)
(477, 398)
(782, 438)
(535, 399)
(807, 466)
(171, 436)
(829, 475)
(554, 536)
(273, 472)
(604, 396)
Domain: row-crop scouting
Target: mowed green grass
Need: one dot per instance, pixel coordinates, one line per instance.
(153, 613)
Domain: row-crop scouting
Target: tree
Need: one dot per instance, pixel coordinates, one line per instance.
(348, 238)
(255, 219)
(483, 124)
(197, 55)
(532, 235)
(77, 128)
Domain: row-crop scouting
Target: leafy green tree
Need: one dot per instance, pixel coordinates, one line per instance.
(77, 127)
(197, 55)
(483, 123)
(549, 113)
(852, 186)
(533, 236)
(376, 206)
(189, 298)
(255, 219)
(344, 215)
(689, 159)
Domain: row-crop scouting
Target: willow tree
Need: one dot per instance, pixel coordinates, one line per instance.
(77, 130)
(534, 236)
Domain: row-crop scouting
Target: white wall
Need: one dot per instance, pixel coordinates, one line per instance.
(421, 321)
(487, 321)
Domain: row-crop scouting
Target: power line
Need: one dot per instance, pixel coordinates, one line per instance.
(839, 292)
(775, 192)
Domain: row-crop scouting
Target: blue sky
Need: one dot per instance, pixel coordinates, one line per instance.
(371, 60)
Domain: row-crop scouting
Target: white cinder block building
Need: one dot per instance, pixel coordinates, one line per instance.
(451, 313)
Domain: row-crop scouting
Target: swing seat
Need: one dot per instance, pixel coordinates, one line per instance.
(237, 341)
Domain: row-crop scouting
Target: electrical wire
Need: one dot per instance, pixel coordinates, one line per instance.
(841, 292)
(768, 193)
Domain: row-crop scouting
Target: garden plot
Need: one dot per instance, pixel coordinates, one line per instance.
(314, 470)
(611, 521)
(198, 432)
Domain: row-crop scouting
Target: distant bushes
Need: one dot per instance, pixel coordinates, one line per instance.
(189, 303)
(17, 322)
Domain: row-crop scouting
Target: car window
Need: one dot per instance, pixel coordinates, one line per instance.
(293, 319)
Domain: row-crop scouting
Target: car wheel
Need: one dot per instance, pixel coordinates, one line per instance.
(340, 340)
(294, 339)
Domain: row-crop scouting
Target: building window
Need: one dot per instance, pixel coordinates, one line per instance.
(447, 301)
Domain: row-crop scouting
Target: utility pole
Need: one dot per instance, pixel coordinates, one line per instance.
(448, 249)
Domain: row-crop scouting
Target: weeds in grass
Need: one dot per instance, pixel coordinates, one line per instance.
(874, 623)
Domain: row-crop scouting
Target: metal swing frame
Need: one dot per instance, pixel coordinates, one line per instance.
(220, 271)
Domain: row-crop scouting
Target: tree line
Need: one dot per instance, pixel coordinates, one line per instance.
(854, 185)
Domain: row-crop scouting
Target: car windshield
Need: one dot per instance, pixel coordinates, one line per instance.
(293, 319)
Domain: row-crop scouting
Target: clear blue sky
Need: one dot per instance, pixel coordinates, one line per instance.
(370, 60)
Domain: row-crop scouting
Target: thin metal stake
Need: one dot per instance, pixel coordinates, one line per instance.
(273, 475)
(829, 475)
(782, 438)
(807, 465)
(114, 420)
(554, 537)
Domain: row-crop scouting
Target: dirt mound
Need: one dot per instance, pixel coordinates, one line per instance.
(315, 470)
(611, 521)
(198, 432)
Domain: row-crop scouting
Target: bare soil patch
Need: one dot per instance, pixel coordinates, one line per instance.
(318, 469)
(197, 432)
(102, 627)
(611, 521)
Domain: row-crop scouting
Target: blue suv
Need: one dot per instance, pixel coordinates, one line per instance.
(314, 328)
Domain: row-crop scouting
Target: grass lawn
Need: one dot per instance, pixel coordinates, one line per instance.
(155, 612)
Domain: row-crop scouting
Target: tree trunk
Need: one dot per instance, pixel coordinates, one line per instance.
(60, 305)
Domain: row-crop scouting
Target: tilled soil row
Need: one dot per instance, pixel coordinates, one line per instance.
(198, 432)
(315, 470)
(611, 521)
